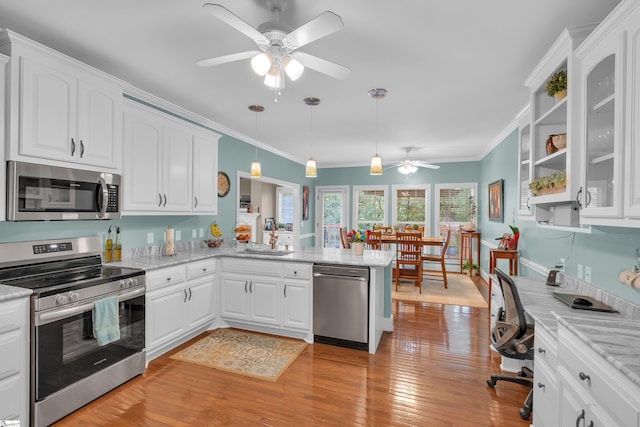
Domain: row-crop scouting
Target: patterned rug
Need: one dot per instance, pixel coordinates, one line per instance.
(248, 353)
(461, 291)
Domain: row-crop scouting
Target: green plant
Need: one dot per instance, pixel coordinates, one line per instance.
(468, 264)
(555, 180)
(557, 83)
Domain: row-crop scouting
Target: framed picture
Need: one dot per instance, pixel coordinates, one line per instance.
(496, 211)
(305, 203)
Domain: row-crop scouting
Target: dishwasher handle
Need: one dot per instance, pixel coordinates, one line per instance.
(340, 276)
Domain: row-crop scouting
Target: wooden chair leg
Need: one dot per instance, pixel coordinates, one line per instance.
(444, 274)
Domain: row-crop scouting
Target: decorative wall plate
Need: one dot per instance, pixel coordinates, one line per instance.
(224, 185)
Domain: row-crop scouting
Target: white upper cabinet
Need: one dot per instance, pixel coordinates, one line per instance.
(525, 210)
(170, 167)
(609, 66)
(557, 163)
(63, 112)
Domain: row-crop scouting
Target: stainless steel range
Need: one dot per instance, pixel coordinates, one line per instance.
(69, 366)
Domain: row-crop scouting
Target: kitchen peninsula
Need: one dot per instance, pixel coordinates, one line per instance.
(261, 290)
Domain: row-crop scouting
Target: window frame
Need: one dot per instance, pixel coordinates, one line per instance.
(427, 205)
(359, 188)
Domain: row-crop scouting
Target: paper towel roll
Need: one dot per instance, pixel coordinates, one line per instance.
(170, 249)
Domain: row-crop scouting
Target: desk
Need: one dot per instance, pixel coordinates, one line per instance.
(512, 256)
(466, 242)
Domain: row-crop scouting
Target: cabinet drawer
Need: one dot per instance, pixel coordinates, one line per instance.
(610, 389)
(13, 315)
(164, 277)
(546, 349)
(246, 266)
(545, 394)
(201, 268)
(11, 396)
(297, 271)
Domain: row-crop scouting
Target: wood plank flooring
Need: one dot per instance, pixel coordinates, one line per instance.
(431, 371)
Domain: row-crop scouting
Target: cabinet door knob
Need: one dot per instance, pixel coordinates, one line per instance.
(245, 286)
(73, 147)
(196, 205)
(165, 200)
(584, 376)
(580, 418)
(160, 202)
(185, 295)
(285, 291)
(540, 385)
(81, 149)
(541, 350)
(189, 294)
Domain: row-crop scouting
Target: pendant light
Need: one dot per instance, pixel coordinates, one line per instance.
(376, 161)
(311, 171)
(256, 170)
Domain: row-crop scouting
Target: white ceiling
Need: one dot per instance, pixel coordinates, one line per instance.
(454, 70)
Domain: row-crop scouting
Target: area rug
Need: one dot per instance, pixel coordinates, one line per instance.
(242, 352)
(461, 291)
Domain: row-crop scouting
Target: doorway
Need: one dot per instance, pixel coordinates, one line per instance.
(331, 214)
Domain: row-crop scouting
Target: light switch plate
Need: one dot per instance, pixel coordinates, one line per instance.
(587, 274)
(178, 235)
(194, 233)
(201, 232)
(150, 238)
(580, 271)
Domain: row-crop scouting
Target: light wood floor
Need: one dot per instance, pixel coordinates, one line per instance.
(431, 371)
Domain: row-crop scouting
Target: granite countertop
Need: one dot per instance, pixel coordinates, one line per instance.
(613, 336)
(12, 292)
(312, 255)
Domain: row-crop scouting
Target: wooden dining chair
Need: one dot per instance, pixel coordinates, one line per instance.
(374, 240)
(408, 258)
(344, 240)
(439, 257)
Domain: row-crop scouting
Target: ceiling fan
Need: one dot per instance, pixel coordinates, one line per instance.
(407, 166)
(278, 45)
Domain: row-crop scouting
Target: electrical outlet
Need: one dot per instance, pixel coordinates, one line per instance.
(560, 265)
(150, 238)
(194, 233)
(580, 271)
(201, 232)
(178, 235)
(587, 274)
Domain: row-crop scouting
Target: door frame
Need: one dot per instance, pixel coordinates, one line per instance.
(320, 190)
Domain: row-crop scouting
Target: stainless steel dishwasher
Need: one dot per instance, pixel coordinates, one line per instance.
(341, 305)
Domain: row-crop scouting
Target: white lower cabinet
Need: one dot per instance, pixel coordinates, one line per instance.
(14, 370)
(181, 303)
(591, 391)
(545, 383)
(266, 294)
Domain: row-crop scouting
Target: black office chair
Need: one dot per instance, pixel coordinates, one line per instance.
(512, 337)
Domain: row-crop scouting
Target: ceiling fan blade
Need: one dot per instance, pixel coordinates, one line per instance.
(226, 16)
(227, 58)
(321, 26)
(425, 165)
(322, 65)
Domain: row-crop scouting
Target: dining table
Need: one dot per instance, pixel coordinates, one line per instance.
(425, 240)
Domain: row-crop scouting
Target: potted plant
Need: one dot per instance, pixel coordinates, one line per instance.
(468, 265)
(557, 85)
(357, 238)
(550, 184)
(471, 214)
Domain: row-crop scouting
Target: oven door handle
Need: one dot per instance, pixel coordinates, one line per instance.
(52, 316)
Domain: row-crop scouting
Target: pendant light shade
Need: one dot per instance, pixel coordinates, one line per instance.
(311, 171)
(376, 161)
(256, 169)
(376, 165)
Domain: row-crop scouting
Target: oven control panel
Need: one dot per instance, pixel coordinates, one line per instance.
(52, 248)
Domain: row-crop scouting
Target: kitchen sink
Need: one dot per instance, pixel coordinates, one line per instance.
(273, 252)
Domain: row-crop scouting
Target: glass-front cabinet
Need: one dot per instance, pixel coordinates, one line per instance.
(602, 162)
(525, 210)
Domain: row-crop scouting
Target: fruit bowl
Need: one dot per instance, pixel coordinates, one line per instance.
(214, 243)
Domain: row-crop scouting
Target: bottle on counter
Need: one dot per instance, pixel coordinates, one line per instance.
(108, 247)
(118, 247)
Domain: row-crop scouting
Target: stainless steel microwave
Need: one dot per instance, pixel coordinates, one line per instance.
(38, 192)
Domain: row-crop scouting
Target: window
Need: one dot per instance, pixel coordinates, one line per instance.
(369, 206)
(285, 205)
(411, 205)
(456, 205)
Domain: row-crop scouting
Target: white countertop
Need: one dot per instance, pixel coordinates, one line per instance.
(312, 255)
(613, 336)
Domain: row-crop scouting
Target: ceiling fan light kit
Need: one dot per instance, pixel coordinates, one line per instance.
(407, 169)
(278, 44)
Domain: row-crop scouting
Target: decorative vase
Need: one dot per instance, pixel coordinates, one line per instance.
(560, 95)
(358, 248)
